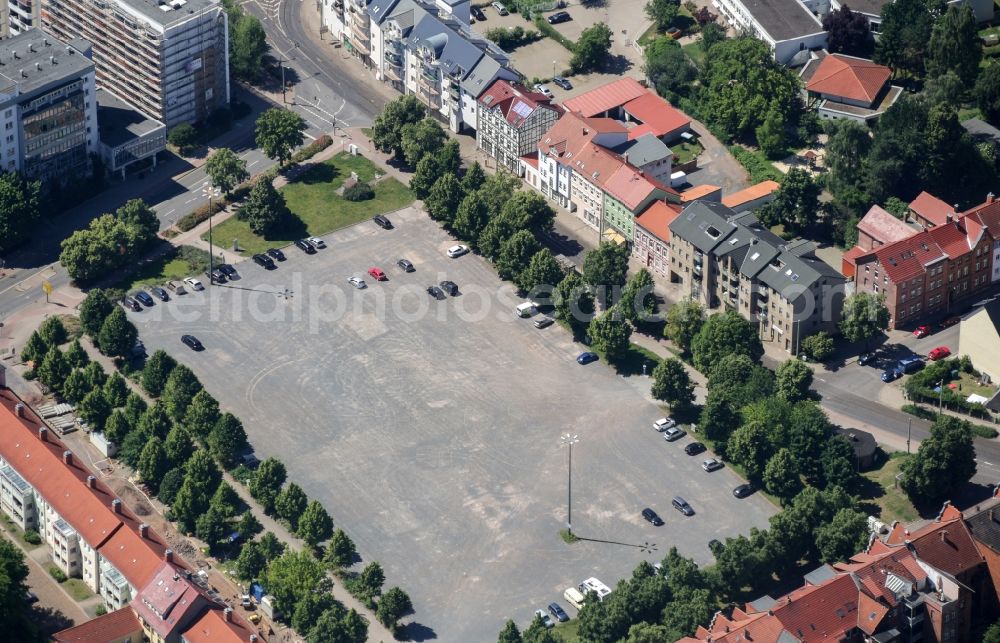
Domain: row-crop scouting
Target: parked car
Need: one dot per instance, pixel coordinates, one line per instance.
(143, 297)
(586, 358)
(264, 261)
(305, 246)
(711, 465)
(562, 82)
(357, 282)
(382, 221)
(673, 434)
(216, 276)
(276, 254)
(435, 292)
(194, 283)
(921, 331)
(131, 304)
(457, 250)
(694, 448)
(502, 10)
(405, 265)
(478, 13)
(663, 424)
(557, 17)
(939, 353)
(159, 293)
(192, 342)
(951, 321)
(556, 610)
(864, 359)
(543, 322)
(449, 287)
(674, 33)
(317, 243)
(542, 89)
(652, 517)
(681, 505)
(546, 621)
(377, 274)
(227, 270)
(176, 287)
(891, 374)
(743, 490)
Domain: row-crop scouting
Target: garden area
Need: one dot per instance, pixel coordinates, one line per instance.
(891, 501)
(317, 205)
(183, 261)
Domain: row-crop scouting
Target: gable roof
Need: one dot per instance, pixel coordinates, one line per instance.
(514, 101)
(606, 97)
(213, 627)
(658, 117)
(109, 627)
(699, 192)
(169, 601)
(656, 219)
(643, 150)
(929, 207)
(632, 187)
(751, 193)
(882, 226)
(849, 77)
(946, 543)
(984, 524)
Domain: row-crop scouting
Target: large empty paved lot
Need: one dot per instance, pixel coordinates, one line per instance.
(433, 438)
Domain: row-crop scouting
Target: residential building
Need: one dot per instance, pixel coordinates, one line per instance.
(987, 214)
(879, 227)
(979, 338)
(511, 121)
(870, 9)
(844, 87)
(983, 522)
(19, 16)
(929, 211)
(651, 246)
(729, 259)
(638, 108)
(169, 60)
(47, 107)
(752, 197)
(627, 193)
(17, 499)
(787, 26)
(127, 135)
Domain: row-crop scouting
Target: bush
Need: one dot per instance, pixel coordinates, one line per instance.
(918, 411)
(57, 574)
(312, 149)
(196, 216)
(101, 610)
(550, 31)
(979, 430)
(359, 192)
(184, 137)
(31, 536)
(758, 167)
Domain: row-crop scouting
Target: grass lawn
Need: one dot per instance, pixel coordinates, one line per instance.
(568, 631)
(185, 262)
(316, 206)
(695, 53)
(648, 36)
(892, 502)
(15, 532)
(967, 385)
(686, 151)
(77, 589)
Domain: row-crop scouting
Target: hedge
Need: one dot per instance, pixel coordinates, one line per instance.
(759, 168)
(552, 33)
(979, 430)
(312, 149)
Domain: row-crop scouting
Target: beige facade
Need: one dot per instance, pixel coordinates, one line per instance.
(587, 200)
(979, 338)
(652, 251)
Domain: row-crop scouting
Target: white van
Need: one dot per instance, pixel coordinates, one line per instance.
(594, 585)
(527, 309)
(574, 597)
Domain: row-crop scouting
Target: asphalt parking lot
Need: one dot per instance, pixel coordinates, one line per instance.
(430, 429)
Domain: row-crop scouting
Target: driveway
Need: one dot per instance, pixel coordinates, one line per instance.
(716, 166)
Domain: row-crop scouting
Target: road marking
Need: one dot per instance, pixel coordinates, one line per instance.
(253, 163)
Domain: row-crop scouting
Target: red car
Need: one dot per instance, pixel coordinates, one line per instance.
(921, 331)
(376, 274)
(939, 353)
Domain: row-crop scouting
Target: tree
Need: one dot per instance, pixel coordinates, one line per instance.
(118, 335)
(94, 409)
(184, 137)
(340, 552)
(845, 151)
(226, 170)
(662, 12)
(425, 175)
(770, 135)
(516, 253)
(248, 526)
(946, 88)
(264, 210)
(944, 462)
(510, 633)
(444, 198)
(247, 46)
(387, 128)
(271, 546)
(315, 525)
(449, 158)
(266, 484)
(292, 576)
(638, 303)
(610, 334)
(718, 419)
(649, 633)
(818, 346)
(847, 32)
(178, 445)
(180, 389)
(793, 380)
(393, 605)
(369, 582)
(95, 374)
(781, 475)
(904, 34)
(421, 138)
(987, 92)
(35, 349)
(724, 334)
(711, 34)
(864, 316)
(76, 386)
(842, 537)
(955, 45)
(470, 218)
(992, 634)
(668, 67)
(170, 484)
(796, 202)
(225, 500)
(497, 190)
(211, 527)
(139, 216)
(574, 303)
(278, 132)
(837, 464)
(605, 267)
(14, 572)
(532, 209)
(309, 610)
(53, 370)
(750, 447)
(94, 309)
(592, 48)
(740, 380)
(672, 384)
(20, 201)
(202, 470)
(250, 563)
(202, 414)
(499, 230)
(290, 503)
(153, 463)
(474, 178)
(117, 427)
(130, 449)
(116, 390)
(52, 331)
(156, 371)
(227, 439)
(543, 273)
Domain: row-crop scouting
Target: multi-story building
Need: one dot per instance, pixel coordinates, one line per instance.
(48, 107)
(17, 500)
(20, 16)
(787, 26)
(844, 87)
(511, 121)
(168, 59)
(627, 193)
(127, 135)
(731, 260)
(640, 110)
(651, 245)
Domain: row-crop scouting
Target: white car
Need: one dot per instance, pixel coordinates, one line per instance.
(457, 251)
(357, 282)
(194, 283)
(502, 10)
(317, 242)
(542, 89)
(673, 433)
(663, 424)
(711, 465)
(546, 621)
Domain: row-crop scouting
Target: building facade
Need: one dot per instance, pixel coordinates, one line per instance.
(787, 26)
(651, 245)
(511, 121)
(169, 60)
(838, 86)
(21, 15)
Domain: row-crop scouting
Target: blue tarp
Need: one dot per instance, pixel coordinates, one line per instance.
(256, 591)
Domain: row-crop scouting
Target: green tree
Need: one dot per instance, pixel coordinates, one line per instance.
(609, 333)
(516, 253)
(846, 150)
(277, 132)
(668, 67)
(250, 563)
(340, 552)
(421, 138)
(95, 374)
(770, 135)
(649, 633)
(247, 46)
(267, 482)
(781, 475)
(264, 210)
(170, 484)
(955, 45)
(394, 605)
(290, 503)
(369, 582)
(510, 633)
(184, 137)
(497, 190)
(387, 128)
(498, 230)
(94, 309)
(992, 634)
(847, 32)
(750, 447)
(864, 316)
(94, 409)
(946, 88)
(672, 384)
(793, 379)
(315, 525)
(592, 49)
(711, 34)
(444, 198)
(202, 414)
(449, 158)
(130, 448)
(53, 370)
(987, 92)
(181, 387)
(14, 572)
(842, 537)
(425, 175)
(227, 440)
(137, 214)
(211, 527)
(118, 335)
(818, 346)
(796, 202)
(718, 419)
(904, 35)
(35, 349)
(225, 500)
(574, 303)
(309, 610)
(542, 274)
(20, 201)
(153, 463)
(292, 576)
(944, 462)
(470, 218)
(662, 12)
(52, 331)
(271, 546)
(117, 427)
(689, 610)
(156, 371)
(724, 334)
(248, 526)
(638, 303)
(474, 178)
(740, 380)
(155, 421)
(837, 464)
(532, 209)
(178, 445)
(116, 390)
(76, 386)
(605, 267)
(226, 170)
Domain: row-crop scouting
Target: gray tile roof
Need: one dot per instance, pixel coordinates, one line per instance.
(645, 149)
(379, 10)
(704, 224)
(820, 575)
(41, 61)
(483, 75)
(454, 53)
(783, 19)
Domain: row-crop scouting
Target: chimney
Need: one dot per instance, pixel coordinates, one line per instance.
(144, 530)
(168, 555)
(68, 457)
(625, 156)
(46, 41)
(31, 47)
(948, 218)
(92, 482)
(228, 613)
(14, 51)
(944, 536)
(19, 409)
(38, 66)
(116, 504)
(43, 434)
(990, 198)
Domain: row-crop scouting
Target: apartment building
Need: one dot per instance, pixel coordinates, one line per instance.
(127, 135)
(787, 26)
(511, 121)
(651, 245)
(19, 16)
(168, 59)
(48, 107)
(627, 193)
(730, 260)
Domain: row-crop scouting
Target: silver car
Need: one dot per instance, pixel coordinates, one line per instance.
(357, 282)
(663, 424)
(673, 433)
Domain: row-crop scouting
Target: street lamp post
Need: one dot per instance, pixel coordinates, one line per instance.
(940, 395)
(210, 191)
(569, 440)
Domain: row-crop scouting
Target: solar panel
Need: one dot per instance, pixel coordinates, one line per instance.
(522, 109)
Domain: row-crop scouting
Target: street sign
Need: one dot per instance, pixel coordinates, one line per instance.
(47, 287)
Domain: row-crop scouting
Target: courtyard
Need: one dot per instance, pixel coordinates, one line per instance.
(431, 429)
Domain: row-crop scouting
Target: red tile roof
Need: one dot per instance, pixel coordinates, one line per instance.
(986, 214)
(908, 258)
(929, 207)
(657, 116)
(821, 612)
(595, 163)
(699, 192)
(606, 97)
(751, 193)
(951, 238)
(657, 219)
(848, 77)
(132, 555)
(630, 186)
(572, 131)
(854, 253)
(168, 601)
(883, 226)
(947, 543)
(212, 627)
(516, 102)
(113, 625)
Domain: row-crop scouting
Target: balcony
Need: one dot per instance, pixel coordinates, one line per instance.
(429, 75)
(361, 31)
(696, 274)
(394, 60)
(734, 280)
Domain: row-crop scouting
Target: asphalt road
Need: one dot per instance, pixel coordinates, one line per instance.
(430, 429)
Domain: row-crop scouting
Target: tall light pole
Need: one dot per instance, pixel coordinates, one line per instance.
(569, 440)
(940, 395)
(210, 191)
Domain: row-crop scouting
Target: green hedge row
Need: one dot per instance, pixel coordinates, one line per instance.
(760, 169)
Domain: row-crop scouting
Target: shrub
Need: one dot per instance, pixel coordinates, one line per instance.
(312, 149)
(57, 574)
(918, 411)
(31, 536)
(199, 214)
(758, 167)
(101, 610)
(359, 192)
(550, 31)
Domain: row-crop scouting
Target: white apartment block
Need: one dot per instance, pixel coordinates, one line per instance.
(787, 26)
